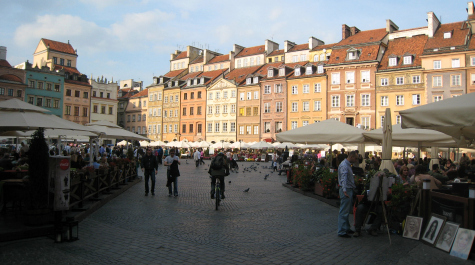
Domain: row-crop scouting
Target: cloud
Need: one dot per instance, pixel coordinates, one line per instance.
(275, 13)
(101, 4)
(223, 34)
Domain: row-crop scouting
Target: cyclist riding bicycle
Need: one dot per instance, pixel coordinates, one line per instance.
(219, 168)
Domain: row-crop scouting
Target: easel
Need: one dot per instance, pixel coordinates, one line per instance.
(378, 197)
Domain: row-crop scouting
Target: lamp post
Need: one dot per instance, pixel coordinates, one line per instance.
(240, 144)
(222, 144)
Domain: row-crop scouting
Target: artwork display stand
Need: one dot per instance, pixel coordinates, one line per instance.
(378, 198)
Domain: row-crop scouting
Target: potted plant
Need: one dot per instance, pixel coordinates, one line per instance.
(38, 211)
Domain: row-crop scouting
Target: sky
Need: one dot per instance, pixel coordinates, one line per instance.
(133, 39)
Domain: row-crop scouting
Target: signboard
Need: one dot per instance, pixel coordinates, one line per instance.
(59, 181)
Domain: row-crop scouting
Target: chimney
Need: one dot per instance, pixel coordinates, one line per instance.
(314, 42)
(432, 23)
(237, 49)
(3, 53)
(231, 59)
(173, 55)
(470, 9)
(271, 46)
(354, 30)
(207, 55)
(288, 45)
(345, 31)
(391, 26)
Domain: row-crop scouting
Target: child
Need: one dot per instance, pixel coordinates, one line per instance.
(275, 165)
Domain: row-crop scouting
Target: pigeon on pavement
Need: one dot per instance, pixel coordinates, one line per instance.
(246, 190)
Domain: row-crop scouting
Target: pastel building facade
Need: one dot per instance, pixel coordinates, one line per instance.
(104, 102)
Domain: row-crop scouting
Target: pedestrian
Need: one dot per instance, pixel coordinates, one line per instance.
(202, 154)
(347, 185)
(149, 166)
(172, 161)
(160, 155)
(197, 157)
(219, 168)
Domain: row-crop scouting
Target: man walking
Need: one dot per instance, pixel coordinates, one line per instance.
(173, 173)
(150, 165)
(347, 185)
(197, 157)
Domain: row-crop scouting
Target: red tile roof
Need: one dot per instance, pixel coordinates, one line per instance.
(174, 73)
(190, 75)
(181, 55)
(303, 71)
(364, 37)
(66, 68)
(401, 46)
(457, 39)
(239, 74)
(5, 63)
(251, 51)
(212, 75)
(325, 46)
(143, 93)
(298, 47)
(9, 77)
(276, 52)
(263, 70)
(198, 59)
(220, 58)
(77, 82)
(368, 53)
(59, 46)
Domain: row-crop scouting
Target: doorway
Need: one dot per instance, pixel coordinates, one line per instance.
(350, 121)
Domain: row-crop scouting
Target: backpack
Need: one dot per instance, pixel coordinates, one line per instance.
(217, 163)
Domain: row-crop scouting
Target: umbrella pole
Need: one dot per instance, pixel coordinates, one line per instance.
(90, 151)
(419, 146)
(404, 153)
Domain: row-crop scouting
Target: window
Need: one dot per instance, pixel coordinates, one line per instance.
(295, 90)
(365, 76)
(256, 111)
(216, 127)
(55, 60)
(266, 107)
(133, 118)
(248, 80)
(225, 126)
(241, 96)
(297, 71)
(175, 128)
(416, 99)
(31, 100)
(266, 127)
(393, 61)
(317, 105)
(384, 101)
(233, 108)
(399, 80)
(436, 81)
(352, 55)
(176, 98)
(455, 63)
(191, 110)
(2, 91)
(198, 111)
(437, 98)
(56, 88)
(303, 57)
(335, 78)
(77, 93)
(68, 92)
(128, 118)
(61, 61)
(210, 95)
(10, 92)
(320, 69)
(306, 106)
(398, 119)
(199, 128)
(293, 125)
(138, 129)
(281, 71)
(256, 94)
(306, 89)
(165, 128)
(49, 87)
(317, 88)
(86, 95)
(233, 127)
(210, 109)
(241, 111)
(408, 59)
(184, 111)
(40, 85)
(56, 104)
(295, 58)
(278, 107)
(159, 112)
(69, 63)
(295, 106)
(437, 64)
(472, 61)
(384, 81)
(270, 72)
(382, 121)
(278, 88)
(95, 108)
(183, 129)
(165, 113)
(350, 77)
(218, 95)
(68, 110)
(160, 96)
(249, 96)
(239, 63)
(335, 101)
(39, 102)
(278, 127)
(365, 121)
(455, 80)
(76, 111)
(315, 58)
(400, 100)
(416, 79)
(447, 35)
(309, 70)
(176, 113)
(350, 100)
(266, 89)
(217, 109)
(304, 123)
(19, 93)
(365, 100)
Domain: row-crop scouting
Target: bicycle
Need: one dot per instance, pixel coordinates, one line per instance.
(217, 192)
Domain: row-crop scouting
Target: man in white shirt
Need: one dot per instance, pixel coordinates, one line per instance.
(197, 157)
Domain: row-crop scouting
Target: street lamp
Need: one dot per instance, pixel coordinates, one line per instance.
(240, 144)
(222, 144)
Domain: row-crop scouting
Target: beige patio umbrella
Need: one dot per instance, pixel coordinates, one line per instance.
(123, 142)
(261, 145)
(452, 116)
(157, 143)
(386, 162)
(144, 143)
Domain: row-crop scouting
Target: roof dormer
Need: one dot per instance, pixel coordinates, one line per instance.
(448, 34)
(393, 60)
(353, 54)
(297, 70)
(309, 69)
(271, 72)
(408, 59)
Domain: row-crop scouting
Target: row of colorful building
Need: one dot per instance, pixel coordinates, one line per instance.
(253, 93)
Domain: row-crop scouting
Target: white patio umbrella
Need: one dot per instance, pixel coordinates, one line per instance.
(261, 145)
(157, 143)
(123, 142)
(144, 143)
(203, 144)
(386, 162)
(284, 145)
(452, 116)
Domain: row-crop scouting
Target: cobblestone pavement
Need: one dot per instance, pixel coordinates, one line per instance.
(270, 224)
